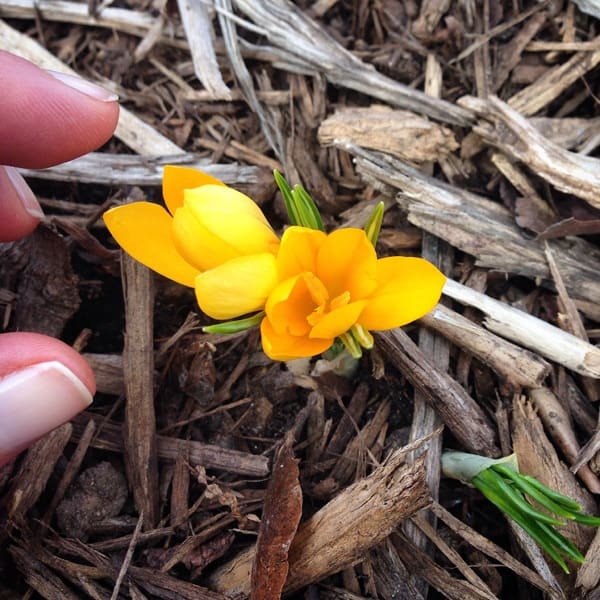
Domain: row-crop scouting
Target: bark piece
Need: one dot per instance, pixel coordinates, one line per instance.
(571, 226)
(138, 369)
(200, 35)
(71, 470)
(461, 414)
(510, 55)
(397, 132)
(34, 472)
(535, 334)
(305, 45)
(343, 531)
(126, 170)
(425, 419)
(281, 514)
(554, 82)
(499, 554)
(452, 555)
(108, 371)
(517, 366)
(109, 437)
(39, 577)
(419, 564)
(507, 130)
(47, 289)
(392, 578)
(557, 423)
(134, 22)
(431, 13)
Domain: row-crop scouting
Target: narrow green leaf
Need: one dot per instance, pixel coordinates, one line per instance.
(515, 497)
(542, 539)
(547, 545)
(235, 326)
(288, 199)
(565, 501)
(373, 224)
(562, 544)
(307, 209)
(534, 492)
(584, 519)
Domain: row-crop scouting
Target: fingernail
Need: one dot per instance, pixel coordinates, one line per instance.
(85, 87)
(23, 191)
(36, 400)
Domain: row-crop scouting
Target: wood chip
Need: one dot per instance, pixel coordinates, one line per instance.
(344, 529)
(138, 369)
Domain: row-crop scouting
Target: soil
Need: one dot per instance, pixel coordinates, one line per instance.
(477, 126)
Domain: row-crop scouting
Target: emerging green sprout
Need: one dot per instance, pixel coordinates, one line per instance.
(514, 494)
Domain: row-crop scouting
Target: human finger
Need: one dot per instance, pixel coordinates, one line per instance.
(43, 383)
(49, 117)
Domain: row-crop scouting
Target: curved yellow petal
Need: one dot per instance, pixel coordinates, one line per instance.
(347, 262)
(197, 244)
(217, 224)
(176, 179)
(283, 346)
(237, 287)
(222, 200)
(298, 251)
(338, 321)
(408, 289)
(288, 305)
(143, 230)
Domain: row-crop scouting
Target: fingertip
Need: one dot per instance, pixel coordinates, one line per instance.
(47, 119)
(23, 349)
(43, 384)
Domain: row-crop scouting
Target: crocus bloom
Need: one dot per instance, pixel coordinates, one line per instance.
(330, 283)
(212, 238)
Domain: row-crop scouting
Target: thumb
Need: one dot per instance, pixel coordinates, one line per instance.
(43, 384)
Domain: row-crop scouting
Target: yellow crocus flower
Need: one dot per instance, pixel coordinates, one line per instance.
(212, 238)
(330, 283)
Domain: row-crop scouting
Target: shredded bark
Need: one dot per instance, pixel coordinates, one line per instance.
(477, 126)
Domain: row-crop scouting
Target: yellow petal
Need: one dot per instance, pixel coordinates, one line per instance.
(217, 224)
(338, 321)
(288, 306)
(347, 262)
(177, 179)
(143, 230)
(298, 251)
(237, 287)
(283, 346)
(409, 288)
(222, 200)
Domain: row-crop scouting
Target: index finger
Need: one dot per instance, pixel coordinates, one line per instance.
(49, 118)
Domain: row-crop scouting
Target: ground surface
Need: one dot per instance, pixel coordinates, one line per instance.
(475, 124)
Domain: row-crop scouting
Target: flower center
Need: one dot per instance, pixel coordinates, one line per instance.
(320, 296)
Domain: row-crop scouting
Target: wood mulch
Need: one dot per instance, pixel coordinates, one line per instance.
(203, 469)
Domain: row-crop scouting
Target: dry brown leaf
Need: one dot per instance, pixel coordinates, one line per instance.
(281, 515)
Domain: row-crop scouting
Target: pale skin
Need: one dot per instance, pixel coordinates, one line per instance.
(45, 119)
